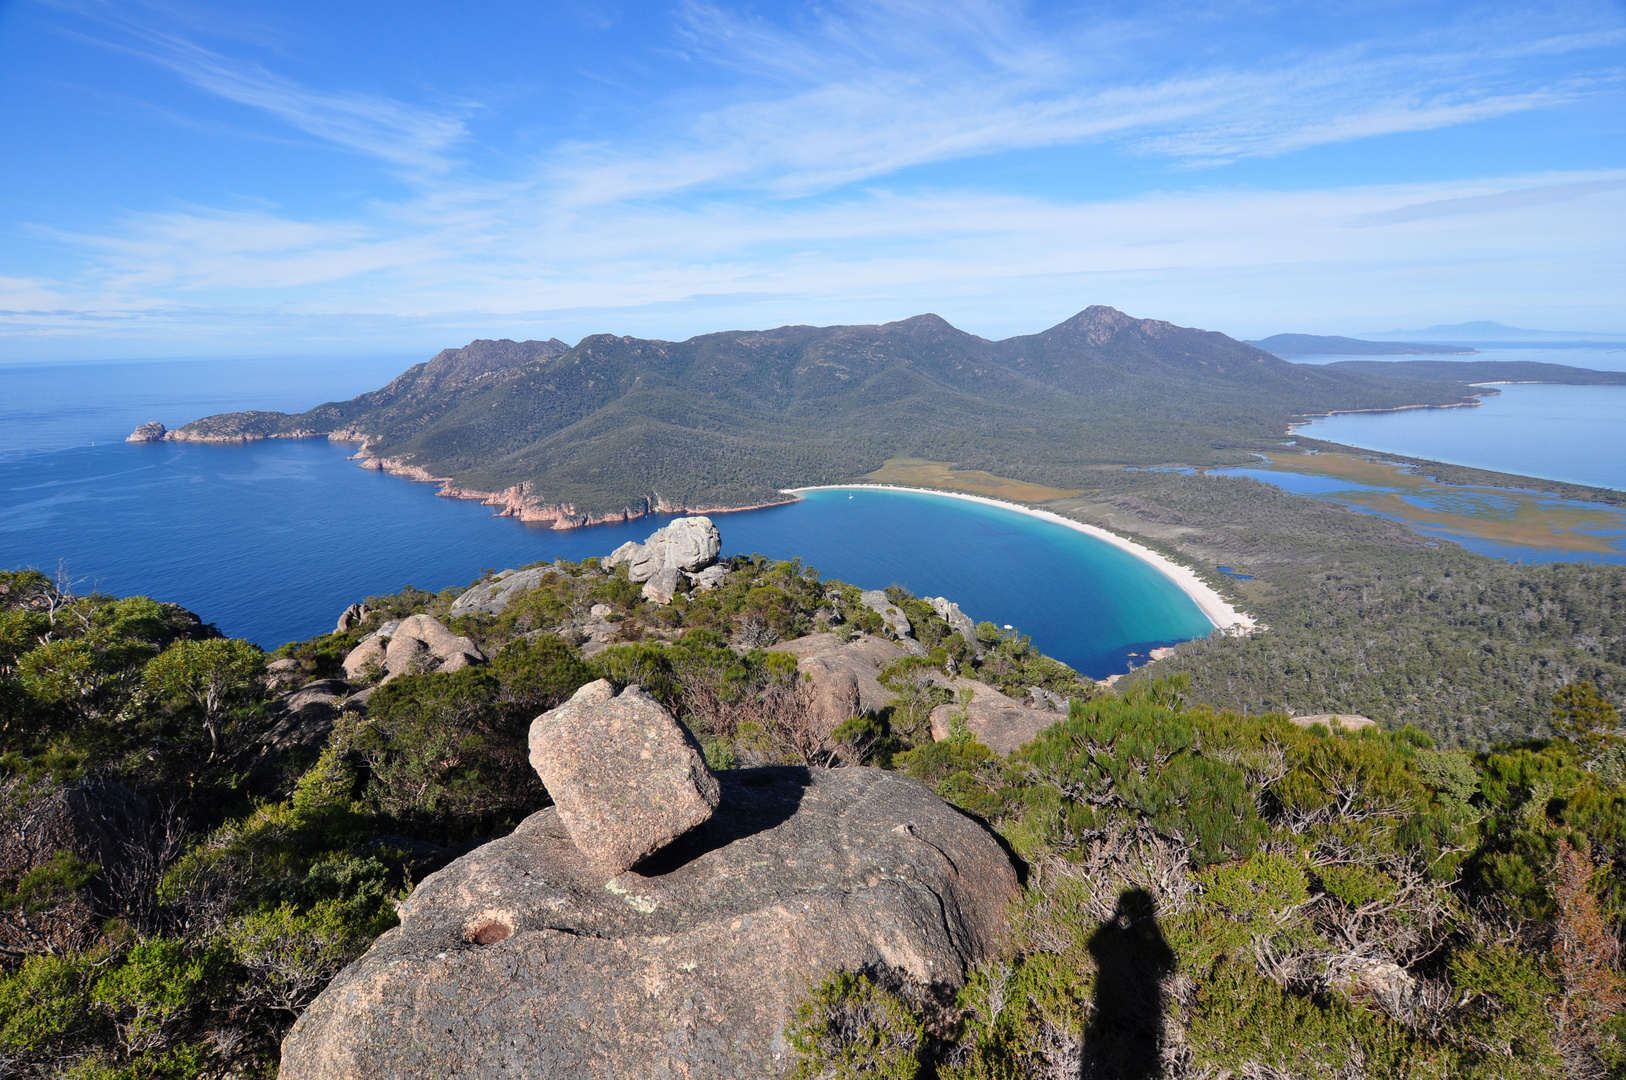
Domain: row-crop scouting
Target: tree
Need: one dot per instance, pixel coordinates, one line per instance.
(210, 676)
(1585, 718)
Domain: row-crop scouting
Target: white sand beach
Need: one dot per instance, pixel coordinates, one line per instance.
(1215, 608)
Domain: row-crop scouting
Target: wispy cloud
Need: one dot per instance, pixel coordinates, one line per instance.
(410, 137)
(995, 262)
(1536, 195)
(770, 183)
(861, 91)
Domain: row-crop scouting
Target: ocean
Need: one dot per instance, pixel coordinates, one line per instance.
(271, 540)
(1576, 434)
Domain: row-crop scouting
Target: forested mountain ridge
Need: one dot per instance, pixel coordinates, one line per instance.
(728, 419)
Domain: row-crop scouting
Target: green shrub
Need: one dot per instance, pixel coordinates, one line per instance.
(160, 985)
(848, 1028)
(43, 1001)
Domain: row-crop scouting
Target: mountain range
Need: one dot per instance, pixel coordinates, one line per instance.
(619, 426)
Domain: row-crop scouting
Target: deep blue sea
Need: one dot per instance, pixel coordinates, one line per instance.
(272, 540)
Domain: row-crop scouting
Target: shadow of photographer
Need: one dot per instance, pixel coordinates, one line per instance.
(1125, 1033)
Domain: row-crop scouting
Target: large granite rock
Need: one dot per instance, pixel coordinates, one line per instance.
(831, 663)
(372, 649)
(1335, 721)
(626, 777)
(283, 674)
(710, 578)
(1000, 723)
(493, 596)
(897, 623)
(302, 718)
(350, 616)
(832, 693)
(416, 644)
(519, 961)
(688, 544)
(958, 620)
(666, 584)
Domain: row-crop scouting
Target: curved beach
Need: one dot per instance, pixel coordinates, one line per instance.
(1215, 608)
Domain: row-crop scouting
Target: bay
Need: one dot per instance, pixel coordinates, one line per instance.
(1575, 434)
(271, 540)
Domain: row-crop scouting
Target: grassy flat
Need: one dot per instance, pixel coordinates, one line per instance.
(917, 472)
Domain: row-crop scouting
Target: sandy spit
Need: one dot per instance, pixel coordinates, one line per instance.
(1215, 608)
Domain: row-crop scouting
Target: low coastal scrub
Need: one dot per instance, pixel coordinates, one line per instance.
(1367, 616)
(183, 868)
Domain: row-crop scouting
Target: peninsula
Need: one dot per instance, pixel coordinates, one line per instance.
(617, 427)
(1324, 345)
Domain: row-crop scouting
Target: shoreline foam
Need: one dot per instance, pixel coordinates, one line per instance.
(1215, 608)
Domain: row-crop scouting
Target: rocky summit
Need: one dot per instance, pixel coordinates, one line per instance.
(520, 960)
(659, 919)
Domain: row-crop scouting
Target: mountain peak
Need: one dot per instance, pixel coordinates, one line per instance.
(1100, 325)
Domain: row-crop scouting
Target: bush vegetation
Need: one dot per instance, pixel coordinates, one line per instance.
(1207, 892)
(1366, 616)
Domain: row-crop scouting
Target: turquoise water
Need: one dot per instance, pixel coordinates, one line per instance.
(1576, 434)
(271, 540)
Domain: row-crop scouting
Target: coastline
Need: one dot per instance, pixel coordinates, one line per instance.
(1215, 608)
(1310, 418)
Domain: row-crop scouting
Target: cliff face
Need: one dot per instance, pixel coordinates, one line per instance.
(619, 425)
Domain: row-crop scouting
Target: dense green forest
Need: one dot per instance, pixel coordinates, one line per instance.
(1366, 615)
(729, 419)
(1207, 893)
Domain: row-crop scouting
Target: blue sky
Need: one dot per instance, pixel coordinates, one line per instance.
(205, 179)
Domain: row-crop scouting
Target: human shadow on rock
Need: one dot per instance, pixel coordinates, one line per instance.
(753, 801)
(1125, 1033)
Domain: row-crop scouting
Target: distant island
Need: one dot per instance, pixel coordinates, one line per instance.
(1486, 331)
(1321, 345)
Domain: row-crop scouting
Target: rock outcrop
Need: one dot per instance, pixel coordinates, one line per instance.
(152, 431)
(958, 620)
(1335, 721)
(520, 961)
(284, 674)
(897, 623)
(416, 644)
(688, 544)
(710, 578)
(493, 596)
(371, 651)
(1000, 723)
(666, 583)
(355, 613)
(302, 718)
(843, 677)
(625, 776)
